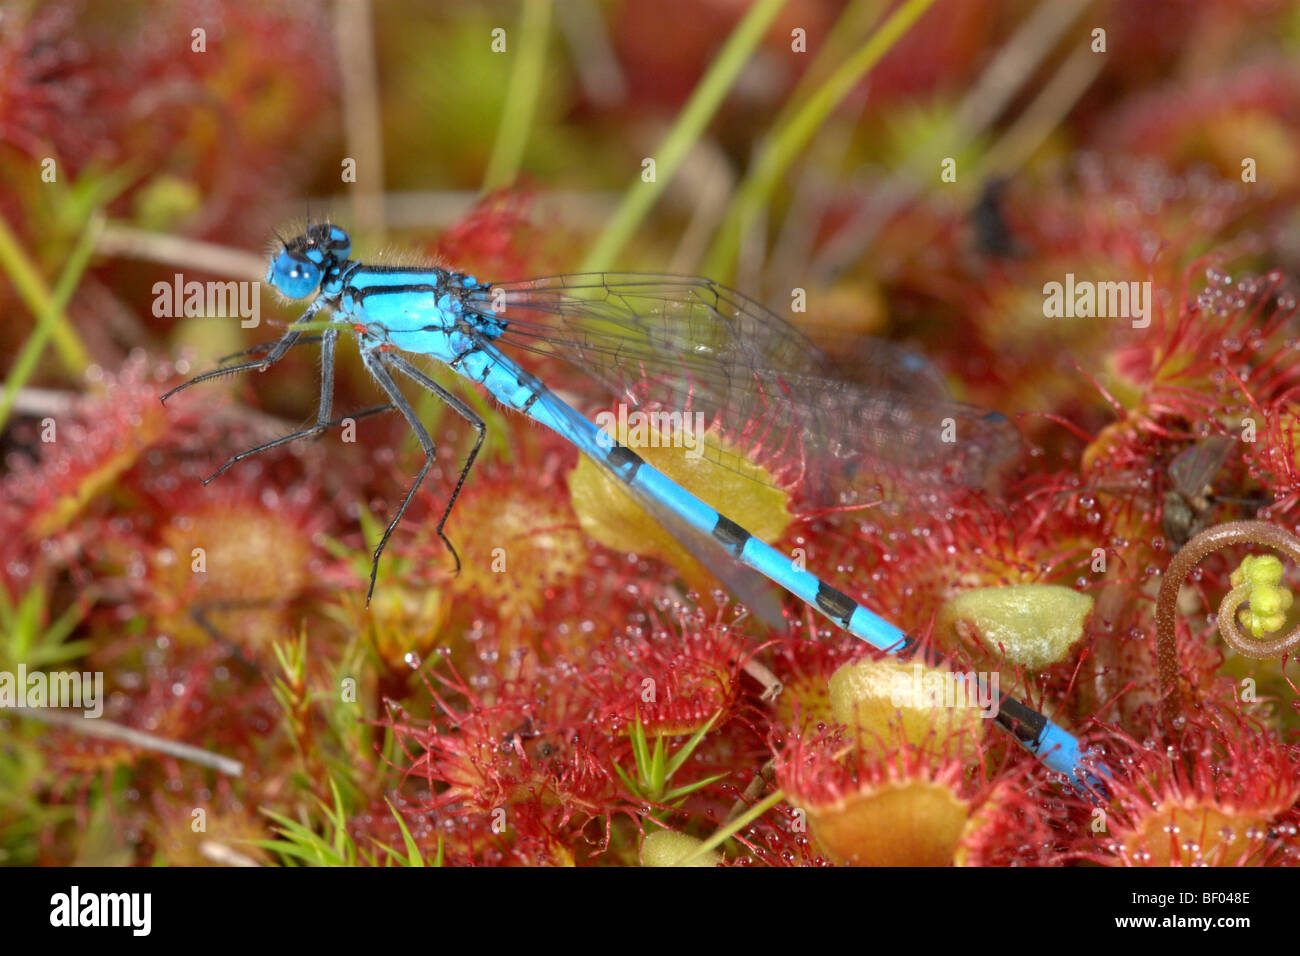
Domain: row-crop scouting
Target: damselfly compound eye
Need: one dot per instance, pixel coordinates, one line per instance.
(293, 274)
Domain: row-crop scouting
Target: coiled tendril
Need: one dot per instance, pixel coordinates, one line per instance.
(1213, 539)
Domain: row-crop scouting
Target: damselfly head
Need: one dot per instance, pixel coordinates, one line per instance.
(296, 269)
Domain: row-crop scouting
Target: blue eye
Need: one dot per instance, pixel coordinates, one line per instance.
(293, 275)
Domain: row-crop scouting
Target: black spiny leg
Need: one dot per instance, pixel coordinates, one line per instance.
(261, 347)
(324, 407)
(276, 352)
(465, 412)
(375, 361)
(304, 433)
(199, 614)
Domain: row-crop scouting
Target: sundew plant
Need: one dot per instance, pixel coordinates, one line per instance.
(939, 505)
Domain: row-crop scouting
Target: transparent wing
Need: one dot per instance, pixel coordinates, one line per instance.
(687, 343)
(760, 596)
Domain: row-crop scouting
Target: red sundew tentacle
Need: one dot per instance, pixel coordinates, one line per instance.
(1231, 800)
(838, 784)
(1288, 394)
(500, 236)
(1111, 400)
(1272, 460)
(1065, 423)
(544, 746)
(1249, 396)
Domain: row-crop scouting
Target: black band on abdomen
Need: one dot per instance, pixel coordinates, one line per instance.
(836, 605)
(731, 535)
(625, 460)
(1025, 725)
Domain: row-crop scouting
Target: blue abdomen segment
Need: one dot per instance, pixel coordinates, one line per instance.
(1059, 750)
(1052, 744)
(521, 391)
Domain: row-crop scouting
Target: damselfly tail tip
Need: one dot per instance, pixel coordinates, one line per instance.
(1090, 779)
